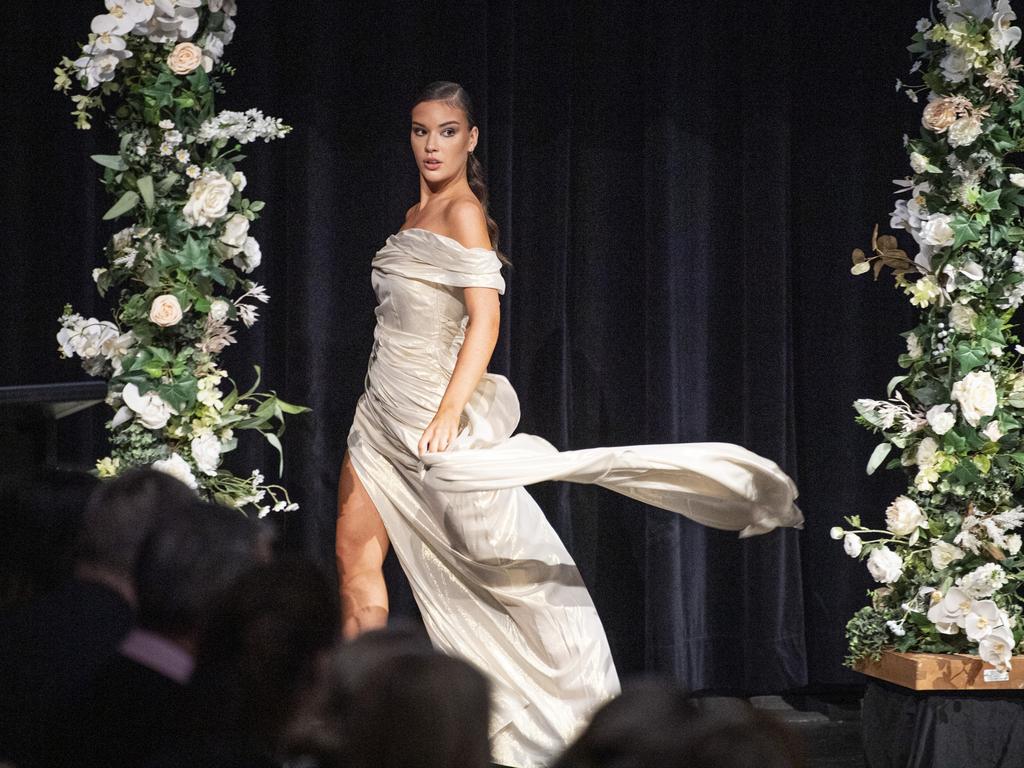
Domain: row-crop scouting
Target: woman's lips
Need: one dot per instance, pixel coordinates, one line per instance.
(432, 164)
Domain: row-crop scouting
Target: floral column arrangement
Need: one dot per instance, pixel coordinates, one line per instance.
(177, 271)
(948, 559)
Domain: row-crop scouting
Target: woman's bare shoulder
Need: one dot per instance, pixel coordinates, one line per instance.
(466, 222)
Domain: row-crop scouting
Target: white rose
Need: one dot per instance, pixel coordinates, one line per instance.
(151, 410)
(936, 230)
(926, 450)
(177, 467)
(250, 256)
(219, 310)
(1017, 179)
(940, 419)
(209, 196)
(964, 131)
(992, 431)
(165, 310)
(852, 544)
(962, 318)
(836, 532)
(206, 452)
(943, 554)
(976, 393)
(885, 565)
(239, 182)
(236, 229)
(213, 47)
(955, 65)
(903, 516)
(918, 162)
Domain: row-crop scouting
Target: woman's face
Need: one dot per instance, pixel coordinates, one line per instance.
(441, 140)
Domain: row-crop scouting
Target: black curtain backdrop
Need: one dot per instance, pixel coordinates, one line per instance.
(679, 187)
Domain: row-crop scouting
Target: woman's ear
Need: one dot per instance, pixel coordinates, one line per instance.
(474, 134)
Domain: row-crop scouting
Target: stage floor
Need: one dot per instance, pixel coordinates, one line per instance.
(832, 736)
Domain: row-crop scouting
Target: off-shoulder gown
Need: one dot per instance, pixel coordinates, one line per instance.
(493, 581)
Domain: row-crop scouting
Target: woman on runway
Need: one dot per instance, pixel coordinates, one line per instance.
(432, 468)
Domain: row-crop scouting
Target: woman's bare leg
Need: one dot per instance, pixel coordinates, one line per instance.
(360, 545)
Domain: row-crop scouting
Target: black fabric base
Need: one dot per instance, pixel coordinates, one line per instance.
(918, 729)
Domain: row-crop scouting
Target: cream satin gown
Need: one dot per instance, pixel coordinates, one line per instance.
(493, 581)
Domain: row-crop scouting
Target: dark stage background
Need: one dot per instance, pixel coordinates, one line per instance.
(679, 186)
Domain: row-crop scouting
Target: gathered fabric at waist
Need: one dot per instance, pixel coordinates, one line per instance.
(407, 375)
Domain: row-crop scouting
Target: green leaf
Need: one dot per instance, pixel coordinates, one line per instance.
(255, 384)
(145, 185)
(989, 200)
(115, 162)
(878, 456)
(954, 442)
(276, 442)
(164, 185)
(893, 383)
(180, 394)
(968, 357)
(966, 232)
(126, 202)
(290, 408)
(930, 392)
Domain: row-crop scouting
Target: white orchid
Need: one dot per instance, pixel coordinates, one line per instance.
(996, 648)
(983, 617)
(1003, 34)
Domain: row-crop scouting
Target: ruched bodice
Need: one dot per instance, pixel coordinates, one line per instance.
(492, 579)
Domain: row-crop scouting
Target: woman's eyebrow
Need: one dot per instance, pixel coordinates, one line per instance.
(442, 125)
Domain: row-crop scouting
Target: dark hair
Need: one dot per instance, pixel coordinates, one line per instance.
(455, 95)
(383, 679)
(122, 511)
(187, 562)
(655, 724)
(643, 727)
(258, 655)
(40, 517)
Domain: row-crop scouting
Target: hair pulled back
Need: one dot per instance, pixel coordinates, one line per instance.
(456, 96)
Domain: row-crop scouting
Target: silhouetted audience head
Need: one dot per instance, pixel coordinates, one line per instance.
(730, 733)
(121, 513)
(187, 562)
(641, 727)
(259, 658)
(394, 702)
(40, 517)
(654, 724)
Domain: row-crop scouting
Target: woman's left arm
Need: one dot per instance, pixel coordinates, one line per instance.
(481, 335)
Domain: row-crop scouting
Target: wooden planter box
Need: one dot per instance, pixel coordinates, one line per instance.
(944, 672)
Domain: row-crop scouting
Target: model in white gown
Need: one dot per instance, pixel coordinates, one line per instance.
(492, 579)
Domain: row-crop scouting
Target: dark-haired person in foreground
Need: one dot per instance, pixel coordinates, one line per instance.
(392, 701)
(52, 646)
(258, 661)
(135, 705)
(655, 724)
